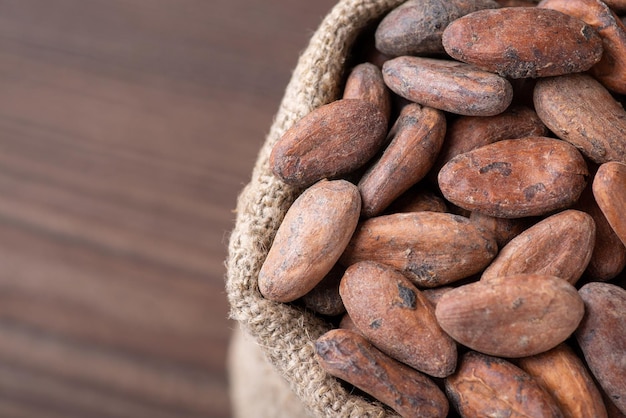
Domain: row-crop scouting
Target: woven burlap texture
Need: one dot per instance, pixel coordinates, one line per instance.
(285, 334)
(256, 389)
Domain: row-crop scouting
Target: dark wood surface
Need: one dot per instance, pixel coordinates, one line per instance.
(127, 128)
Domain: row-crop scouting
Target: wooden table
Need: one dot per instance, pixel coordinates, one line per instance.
(127, 128)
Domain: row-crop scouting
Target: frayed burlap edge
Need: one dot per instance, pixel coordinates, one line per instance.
(285, 334)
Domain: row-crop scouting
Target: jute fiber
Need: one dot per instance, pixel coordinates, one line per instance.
(256, 388)
(286, 334)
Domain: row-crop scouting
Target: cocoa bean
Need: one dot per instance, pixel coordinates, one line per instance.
(579, 110)
(608, 189)
(384, 304)
(352, 358)
(486, 386)
(448, 85)
(416, 139)
(311, 238)
(415, 27)
(519, 42)
(332, 140)
(602, 337)
(432, 249)
(512, 316)
(515, 177)
(564, 376)
(560, 245)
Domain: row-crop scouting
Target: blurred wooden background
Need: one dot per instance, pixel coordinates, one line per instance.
(127, 128)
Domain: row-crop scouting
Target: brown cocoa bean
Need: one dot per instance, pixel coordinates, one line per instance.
(430, 248)
(347, 323)
(611, 69)
(470, 132)
(519, 42)
(418, 198)
(503, 230)
(602, 337)
(448, 85)
(564, 376)
(350, 357)
(609, 184)
(324, 298)
(513, 316)
(515, 177)
(433, 295)
(311, 238)
(365, 82)
(332, 140)
(485, 386)
(384, 304)
(578, 109)
(560, 245)
(415, 27)
(609, 253)
(612, 410)
(416, 139)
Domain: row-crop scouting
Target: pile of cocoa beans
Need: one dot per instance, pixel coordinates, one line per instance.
(462, 221)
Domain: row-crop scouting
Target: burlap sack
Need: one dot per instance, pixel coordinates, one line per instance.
(256, 389)
(284, 333)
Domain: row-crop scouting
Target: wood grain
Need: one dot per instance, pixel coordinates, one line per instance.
(127, 128)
